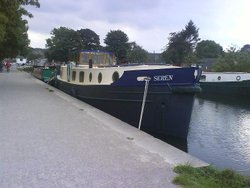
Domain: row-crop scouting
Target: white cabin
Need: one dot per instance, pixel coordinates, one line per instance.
(224, 76)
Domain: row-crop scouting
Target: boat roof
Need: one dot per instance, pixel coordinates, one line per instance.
(95, 51)
(225, 72)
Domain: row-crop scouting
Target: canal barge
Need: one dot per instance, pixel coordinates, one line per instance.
(45, 73)
(155, 98)
(226, 84)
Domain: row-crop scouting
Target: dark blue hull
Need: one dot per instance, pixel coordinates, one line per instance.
(167, 110)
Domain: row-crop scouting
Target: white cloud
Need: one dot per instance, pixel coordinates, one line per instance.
(37, 40)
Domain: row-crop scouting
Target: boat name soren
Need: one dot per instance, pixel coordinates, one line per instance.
(163, 77)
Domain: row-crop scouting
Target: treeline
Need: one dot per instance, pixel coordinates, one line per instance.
(65, 42)
(234, 60)
(184, 48)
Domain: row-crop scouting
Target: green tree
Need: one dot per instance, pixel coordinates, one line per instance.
(62, 44)
(181, 44)
(13, 27)
(90, 40)
(137, 54)
(35, 53)
(245, 48)
(190, 59)
(233, 60)
(208, 49)
(117, 42)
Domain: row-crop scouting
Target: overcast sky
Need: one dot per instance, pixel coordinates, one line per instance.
(147, 22)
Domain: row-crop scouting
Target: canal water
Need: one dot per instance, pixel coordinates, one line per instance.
(220, 133)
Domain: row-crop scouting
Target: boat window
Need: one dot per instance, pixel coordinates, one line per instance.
(238, 78)
(219, 77)
(90, 77)
(115, 76)
(99, 77)
(203, 78)
(73, 75)
(81, 76)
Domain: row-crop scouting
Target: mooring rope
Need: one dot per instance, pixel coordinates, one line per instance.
(147, 79)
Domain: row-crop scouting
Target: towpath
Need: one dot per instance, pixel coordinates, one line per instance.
(49, 139)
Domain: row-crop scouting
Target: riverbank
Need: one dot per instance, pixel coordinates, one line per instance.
(49, 139)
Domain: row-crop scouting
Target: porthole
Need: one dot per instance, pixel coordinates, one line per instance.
(90, 77)
(99, 77)
(203, 78)
(219, 77)
(81, 76)
(73, 75)
(115, 76)
(238, 78)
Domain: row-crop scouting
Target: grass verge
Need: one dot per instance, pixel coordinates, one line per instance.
(26, 69)
(209, 177)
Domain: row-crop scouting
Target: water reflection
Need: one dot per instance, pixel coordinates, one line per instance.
(220, 133)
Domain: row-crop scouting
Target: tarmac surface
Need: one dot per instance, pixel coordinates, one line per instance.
(50, 139)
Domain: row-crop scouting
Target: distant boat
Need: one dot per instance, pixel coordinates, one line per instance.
(228, 84)
(44, 73)
(157, 98)
(21, 61)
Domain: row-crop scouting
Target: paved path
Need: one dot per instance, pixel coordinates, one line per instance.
(49, 139)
